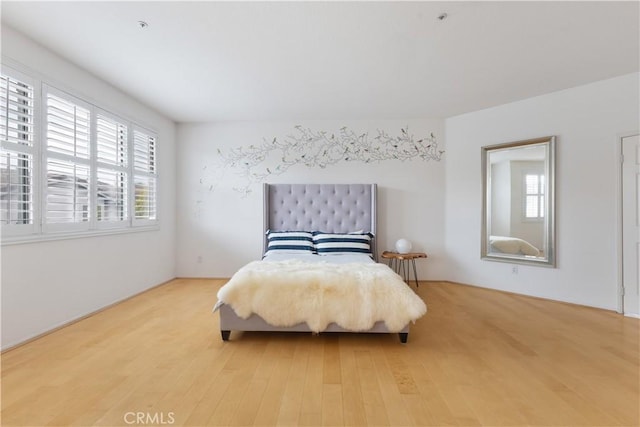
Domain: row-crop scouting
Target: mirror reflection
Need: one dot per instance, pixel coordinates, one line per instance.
(518, 202)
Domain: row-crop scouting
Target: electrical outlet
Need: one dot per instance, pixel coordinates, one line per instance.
(514, 269)
(199, 259)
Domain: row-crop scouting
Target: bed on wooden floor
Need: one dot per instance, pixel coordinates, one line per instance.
(319, 272)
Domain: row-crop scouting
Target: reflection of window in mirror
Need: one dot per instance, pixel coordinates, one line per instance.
(534, 196)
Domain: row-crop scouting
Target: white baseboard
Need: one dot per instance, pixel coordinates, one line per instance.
(634, 315)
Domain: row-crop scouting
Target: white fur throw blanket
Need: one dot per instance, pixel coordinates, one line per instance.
(354, 295)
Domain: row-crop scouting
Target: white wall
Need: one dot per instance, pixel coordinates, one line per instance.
(500, 199)
(225, 229)
(50, 283)
(587, 121)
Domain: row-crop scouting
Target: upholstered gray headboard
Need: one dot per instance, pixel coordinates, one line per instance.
(332, 208)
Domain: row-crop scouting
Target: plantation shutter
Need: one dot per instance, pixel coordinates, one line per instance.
(17, 151)
(145, 176)
(17, 111)
(16, 188)
(534, 193)
(111, 174)
(67, 127)
(68, 147)
(67, 192)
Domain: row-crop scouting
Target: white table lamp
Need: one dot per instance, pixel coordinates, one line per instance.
(403, 246)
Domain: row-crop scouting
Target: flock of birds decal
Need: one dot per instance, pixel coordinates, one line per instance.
(258, 162)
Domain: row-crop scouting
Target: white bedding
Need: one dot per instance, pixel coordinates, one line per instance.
(353, 295)
(334, 259)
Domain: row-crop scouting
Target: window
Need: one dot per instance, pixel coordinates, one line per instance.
(87, 170)
(112, 172)
(17, 152)
(534, 196)
(68, 162)
(144, 169)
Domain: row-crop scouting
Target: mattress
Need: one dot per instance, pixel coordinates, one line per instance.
(330, 259)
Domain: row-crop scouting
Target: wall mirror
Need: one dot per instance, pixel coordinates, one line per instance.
(518, 202)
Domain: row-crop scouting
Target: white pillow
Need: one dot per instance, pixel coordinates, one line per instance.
(513, 245)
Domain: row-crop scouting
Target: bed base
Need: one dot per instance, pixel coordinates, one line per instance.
(404, 336)
(229, 321)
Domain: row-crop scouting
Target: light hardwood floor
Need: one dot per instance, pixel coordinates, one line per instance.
(478, 357)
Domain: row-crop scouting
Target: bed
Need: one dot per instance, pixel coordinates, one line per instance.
(321, 210)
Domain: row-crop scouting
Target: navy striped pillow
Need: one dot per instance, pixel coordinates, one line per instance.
(341, 244)
(289, 242)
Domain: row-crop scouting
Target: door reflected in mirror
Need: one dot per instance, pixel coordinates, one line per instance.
(518, 202)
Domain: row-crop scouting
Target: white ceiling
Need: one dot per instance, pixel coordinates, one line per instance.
(212, 61)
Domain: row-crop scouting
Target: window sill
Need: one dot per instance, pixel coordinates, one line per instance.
(38, 238)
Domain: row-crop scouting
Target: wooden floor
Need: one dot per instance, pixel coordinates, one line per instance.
(478, 357)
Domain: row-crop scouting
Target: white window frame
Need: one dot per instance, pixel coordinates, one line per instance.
(39, 230)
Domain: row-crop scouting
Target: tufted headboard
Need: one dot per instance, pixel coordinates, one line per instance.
(332, 208)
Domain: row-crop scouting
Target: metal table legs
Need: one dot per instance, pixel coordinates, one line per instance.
(402, 267)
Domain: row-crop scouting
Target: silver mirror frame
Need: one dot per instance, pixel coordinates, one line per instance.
(549, 260)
